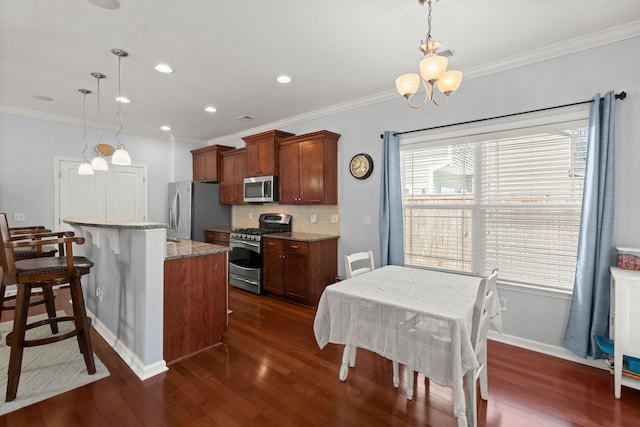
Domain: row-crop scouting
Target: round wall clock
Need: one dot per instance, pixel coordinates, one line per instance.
(361, 166)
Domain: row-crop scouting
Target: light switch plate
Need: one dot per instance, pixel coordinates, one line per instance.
(334, 219)
(367, 219)
(314, 217)
(19, 217)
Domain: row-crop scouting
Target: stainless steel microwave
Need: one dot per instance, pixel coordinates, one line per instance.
(260, 189)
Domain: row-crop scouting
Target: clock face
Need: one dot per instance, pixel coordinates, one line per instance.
(361, 166)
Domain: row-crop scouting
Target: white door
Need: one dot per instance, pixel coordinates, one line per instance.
(119, 193)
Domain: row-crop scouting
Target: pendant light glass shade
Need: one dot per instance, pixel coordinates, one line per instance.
(408, 84)
(450, 81)
(432, 67)
(99, 163)
(85, 168)
(121, 157)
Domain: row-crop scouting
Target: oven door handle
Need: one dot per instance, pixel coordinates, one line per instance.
(251, 282)
(243, 244)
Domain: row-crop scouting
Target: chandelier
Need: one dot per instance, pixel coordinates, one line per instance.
(433, 71)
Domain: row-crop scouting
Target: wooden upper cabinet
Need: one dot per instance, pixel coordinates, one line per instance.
(234, 169)
(308, 169)
(262, 153)
(207, 163)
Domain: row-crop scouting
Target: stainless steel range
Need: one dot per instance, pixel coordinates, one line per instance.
(245, 259)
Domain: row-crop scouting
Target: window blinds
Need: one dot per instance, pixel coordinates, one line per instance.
(512, 203)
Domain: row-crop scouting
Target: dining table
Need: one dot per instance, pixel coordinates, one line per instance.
(420, 318)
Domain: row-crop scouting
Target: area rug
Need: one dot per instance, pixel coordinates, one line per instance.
(47, 370)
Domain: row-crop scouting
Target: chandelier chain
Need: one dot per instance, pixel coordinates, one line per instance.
(428, 38)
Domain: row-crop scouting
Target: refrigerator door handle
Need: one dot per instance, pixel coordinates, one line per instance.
(172, 212)
(177, 208)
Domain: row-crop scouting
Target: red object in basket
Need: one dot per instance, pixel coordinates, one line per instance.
(629, 258)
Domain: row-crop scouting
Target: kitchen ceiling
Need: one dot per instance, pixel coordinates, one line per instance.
(228, 54)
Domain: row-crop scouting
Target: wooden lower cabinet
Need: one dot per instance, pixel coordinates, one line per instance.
(216, 237)
(299, 270)
(195, 304)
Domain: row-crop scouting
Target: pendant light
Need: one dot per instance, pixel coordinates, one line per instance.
(433, 72)
(120, 156)
(85, 168)
(98, 163)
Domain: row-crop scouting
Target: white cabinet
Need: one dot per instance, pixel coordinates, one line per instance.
(625, 323)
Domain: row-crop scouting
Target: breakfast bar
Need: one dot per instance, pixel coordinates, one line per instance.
(126, 292)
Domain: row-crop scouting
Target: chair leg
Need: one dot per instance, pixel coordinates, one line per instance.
(50, 303)
(396, 375)
(352, 356)
(410, 381)
(82, 324)
(484, 380)
(17, 340)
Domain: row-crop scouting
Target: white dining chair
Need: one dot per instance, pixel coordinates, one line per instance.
(355, 264)
(358, 263)
(479, 329)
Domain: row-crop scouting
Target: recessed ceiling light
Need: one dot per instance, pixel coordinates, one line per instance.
(165, 128)
(164, 68)
(106, 4)
(283, 79)
(123, 99)
(210, 109)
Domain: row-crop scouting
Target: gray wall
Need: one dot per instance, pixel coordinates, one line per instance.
(27, 148)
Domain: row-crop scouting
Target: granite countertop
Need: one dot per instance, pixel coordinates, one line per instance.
(182, 248)
(108, 223)
(303, 237)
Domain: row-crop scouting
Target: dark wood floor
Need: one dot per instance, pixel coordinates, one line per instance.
(270, 372)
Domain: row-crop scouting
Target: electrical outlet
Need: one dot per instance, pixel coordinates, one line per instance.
(334, 219)
(99, 293)
(503, 303)
(250, 215)
(314, 217)
(367, 219)
(19, 217)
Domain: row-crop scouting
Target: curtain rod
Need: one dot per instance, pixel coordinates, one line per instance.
(621, 96)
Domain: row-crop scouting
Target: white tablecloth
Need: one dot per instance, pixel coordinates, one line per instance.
(418, 317)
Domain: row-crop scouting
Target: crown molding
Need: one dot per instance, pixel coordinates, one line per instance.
(90, 124)
(567, 47)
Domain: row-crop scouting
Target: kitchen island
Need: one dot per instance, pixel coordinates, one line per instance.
(195, 297)
(125, 291)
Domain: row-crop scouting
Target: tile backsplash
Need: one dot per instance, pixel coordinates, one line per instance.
(247, 216)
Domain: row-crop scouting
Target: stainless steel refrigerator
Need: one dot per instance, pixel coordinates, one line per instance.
(194, 206)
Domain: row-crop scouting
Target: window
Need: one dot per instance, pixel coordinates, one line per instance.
(508, 199)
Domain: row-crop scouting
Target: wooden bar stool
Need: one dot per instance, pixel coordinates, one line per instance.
(44, 273)
(40, 296)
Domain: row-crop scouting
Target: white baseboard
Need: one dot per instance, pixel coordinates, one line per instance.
(548, 349)
(129, 357)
